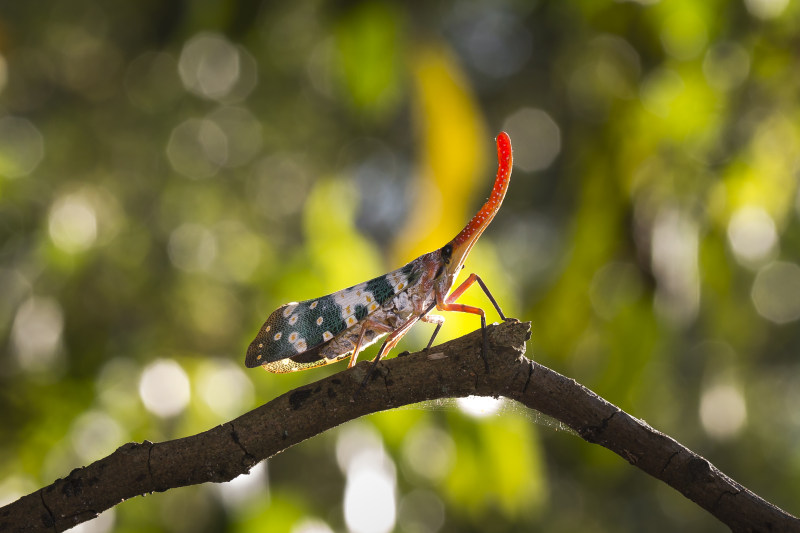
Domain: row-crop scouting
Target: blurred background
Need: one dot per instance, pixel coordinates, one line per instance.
(172, 172)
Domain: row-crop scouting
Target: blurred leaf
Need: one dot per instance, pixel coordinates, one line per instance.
(279, 514)
(452, 157)
(498, 465)
(368, 40)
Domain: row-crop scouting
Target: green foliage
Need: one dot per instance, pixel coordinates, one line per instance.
(171, 173)
(369, 54)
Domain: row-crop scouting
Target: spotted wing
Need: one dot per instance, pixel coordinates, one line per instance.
(291, 337)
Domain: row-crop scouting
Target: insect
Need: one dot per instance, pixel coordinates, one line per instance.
(324, 330)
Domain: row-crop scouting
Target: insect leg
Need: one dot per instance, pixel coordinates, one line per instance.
(466, 285)
(378, 327)
(461, 308)
(433, 319)
(390, 342)
(394, 338)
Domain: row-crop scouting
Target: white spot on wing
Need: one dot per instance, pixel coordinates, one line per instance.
(349, 295)
(289, 308)
(349, 299)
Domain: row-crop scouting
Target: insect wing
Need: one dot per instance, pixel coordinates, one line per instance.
(295, 328)
(291, 337)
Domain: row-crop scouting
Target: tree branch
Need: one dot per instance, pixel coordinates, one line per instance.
(454, 369)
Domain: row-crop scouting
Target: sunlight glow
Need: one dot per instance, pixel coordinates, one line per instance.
(354, 439)
(225, 388)
(13, 488)
(95, 434)
(246, 488)
(429, 451)
(674, 251)
(659, 90)
(36, 333)
(776, 292)
(102, 524)
(311, 525)
(421, 511)
(73, 223)
(21, 147)
(766, 9)
(209, 65)
(116, 391)
(197, 148)
(752, 234)
(726, 65)
(369, 497)
(164, 388)
(192, 247)
(479, 406)
(723, 411)
(539, 133)
(243, 133)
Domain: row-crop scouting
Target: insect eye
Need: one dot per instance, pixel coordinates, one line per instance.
(447, 251)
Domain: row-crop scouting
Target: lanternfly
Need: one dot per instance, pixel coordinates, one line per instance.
(316, 332)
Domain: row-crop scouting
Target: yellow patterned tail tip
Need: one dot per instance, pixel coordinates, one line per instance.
(283, 366)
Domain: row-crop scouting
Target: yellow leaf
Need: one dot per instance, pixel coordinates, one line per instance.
(452, 155)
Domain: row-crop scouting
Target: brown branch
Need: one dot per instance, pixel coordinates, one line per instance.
(454, 369)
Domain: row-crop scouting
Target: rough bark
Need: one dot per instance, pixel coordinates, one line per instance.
(454, 369)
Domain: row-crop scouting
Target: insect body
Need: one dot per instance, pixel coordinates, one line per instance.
(320, 331)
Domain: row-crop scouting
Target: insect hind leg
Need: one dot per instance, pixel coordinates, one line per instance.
(462, 308)
(390, 342)
(377, 327)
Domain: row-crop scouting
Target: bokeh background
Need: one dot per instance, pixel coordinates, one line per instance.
(171, 172)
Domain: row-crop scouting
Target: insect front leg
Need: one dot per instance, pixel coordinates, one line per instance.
(461, 308)
(456, 294)
(449, 304)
